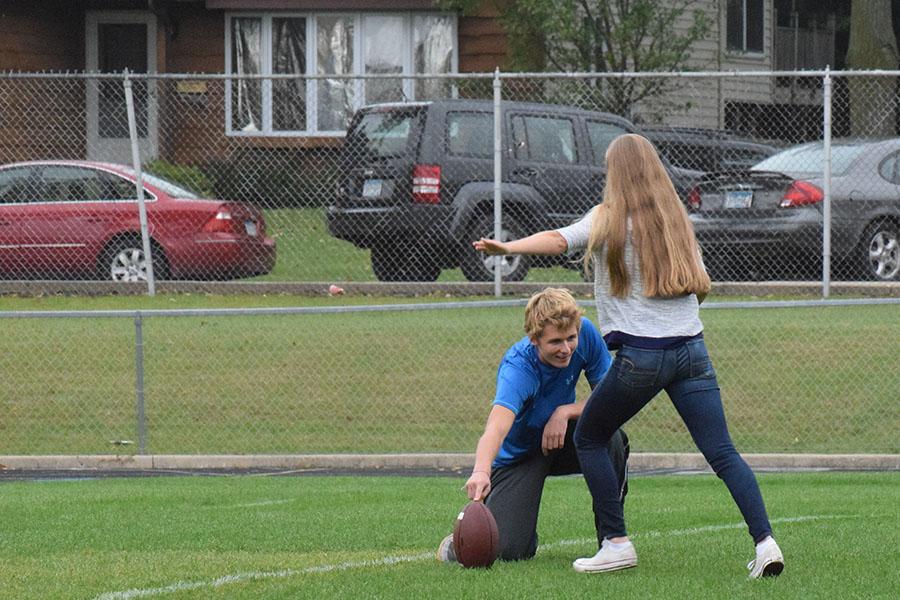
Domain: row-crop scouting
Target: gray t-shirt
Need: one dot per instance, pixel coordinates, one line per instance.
(636, 314)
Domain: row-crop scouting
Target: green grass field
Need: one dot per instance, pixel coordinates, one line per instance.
(374, 537)
(794, 379)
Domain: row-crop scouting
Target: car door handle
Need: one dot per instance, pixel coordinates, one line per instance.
(526, 172)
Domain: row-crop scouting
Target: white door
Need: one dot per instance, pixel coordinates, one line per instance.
(119, 40)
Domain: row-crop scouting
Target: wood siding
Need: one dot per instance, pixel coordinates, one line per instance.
(41, 36)
(702, 101)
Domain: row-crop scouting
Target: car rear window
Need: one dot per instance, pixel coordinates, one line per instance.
(809, 159)
(384, 133)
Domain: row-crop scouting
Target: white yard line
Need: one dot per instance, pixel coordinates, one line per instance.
(262, 503)
(179, 586)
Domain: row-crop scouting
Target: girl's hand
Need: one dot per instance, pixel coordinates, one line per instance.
(490, 247)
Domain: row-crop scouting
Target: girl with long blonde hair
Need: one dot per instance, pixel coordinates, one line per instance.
(649, 281)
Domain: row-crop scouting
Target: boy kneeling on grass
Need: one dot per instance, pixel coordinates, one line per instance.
(528, 435)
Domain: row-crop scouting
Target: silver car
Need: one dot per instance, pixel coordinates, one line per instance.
(768, 221)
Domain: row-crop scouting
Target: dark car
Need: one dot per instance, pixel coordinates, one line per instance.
(707, 149)
(67, 219)
(769, 220)
(418, 181)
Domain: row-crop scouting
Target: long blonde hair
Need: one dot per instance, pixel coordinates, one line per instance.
(638, 187)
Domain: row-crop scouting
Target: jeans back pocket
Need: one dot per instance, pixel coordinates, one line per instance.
(638, 368)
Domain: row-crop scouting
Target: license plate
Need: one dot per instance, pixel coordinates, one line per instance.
(738, 199)
(250, 228)
(371, 188)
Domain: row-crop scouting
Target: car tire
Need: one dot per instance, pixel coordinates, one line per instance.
(124, 260)
(395, 264)
(879, 251)
(477, 266)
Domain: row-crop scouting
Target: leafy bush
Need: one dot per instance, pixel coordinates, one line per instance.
(190, 177)
(277, 177)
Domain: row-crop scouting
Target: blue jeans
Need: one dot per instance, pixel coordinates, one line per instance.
(634, 378)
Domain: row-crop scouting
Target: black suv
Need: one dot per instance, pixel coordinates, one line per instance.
(707, 149)
(417, 181)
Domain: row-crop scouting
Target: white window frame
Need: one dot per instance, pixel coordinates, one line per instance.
(312, 66)
(745, 21)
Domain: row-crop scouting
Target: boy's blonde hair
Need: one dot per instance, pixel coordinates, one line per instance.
(551, 306)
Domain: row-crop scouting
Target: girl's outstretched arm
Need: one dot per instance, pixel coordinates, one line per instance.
(548, 243)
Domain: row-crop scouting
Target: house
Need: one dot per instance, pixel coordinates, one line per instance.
(220, 118)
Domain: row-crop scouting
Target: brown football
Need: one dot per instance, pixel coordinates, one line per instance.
(475, 536)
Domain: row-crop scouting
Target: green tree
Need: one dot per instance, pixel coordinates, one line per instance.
(599, 36)
(873, 45)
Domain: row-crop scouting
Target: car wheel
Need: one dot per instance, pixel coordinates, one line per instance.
(124, 261)
(403, 265)
(477, 266)
(880, 251)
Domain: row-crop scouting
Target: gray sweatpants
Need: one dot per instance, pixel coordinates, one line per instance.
(516, 490)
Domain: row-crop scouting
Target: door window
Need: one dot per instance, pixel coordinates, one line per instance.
(17, 186)
(64, 184)
(544, 139)
(601, 136)
(121, 46)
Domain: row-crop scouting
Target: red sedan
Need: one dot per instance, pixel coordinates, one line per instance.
(66, 219)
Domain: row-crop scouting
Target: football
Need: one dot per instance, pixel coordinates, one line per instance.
(475, 536)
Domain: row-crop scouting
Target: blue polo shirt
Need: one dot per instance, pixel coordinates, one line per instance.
(532, 390)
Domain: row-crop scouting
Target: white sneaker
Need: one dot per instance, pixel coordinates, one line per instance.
(608, 559)
(769, 561)
(446, 552)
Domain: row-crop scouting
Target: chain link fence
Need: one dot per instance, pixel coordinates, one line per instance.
(282, 179)
(801, 377)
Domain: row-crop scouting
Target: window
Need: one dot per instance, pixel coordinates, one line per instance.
(68, 184)
(17, 185)
(470, 134)
(739, 158)
(333, 48)
(601, 136)
(384, 134)
(808, 159)
(544, 139)
(745, 25)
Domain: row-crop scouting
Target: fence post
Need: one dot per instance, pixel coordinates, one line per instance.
(498, 176)
(826, 214)
(139, 381)
(139, 182)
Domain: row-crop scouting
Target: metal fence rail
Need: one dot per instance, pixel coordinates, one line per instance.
(801, 377)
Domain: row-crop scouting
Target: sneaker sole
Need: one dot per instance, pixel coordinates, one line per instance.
(607, 567)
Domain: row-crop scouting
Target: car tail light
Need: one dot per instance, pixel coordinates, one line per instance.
(694, 201)
(801, 193)
(221, 222)
(426, 184)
